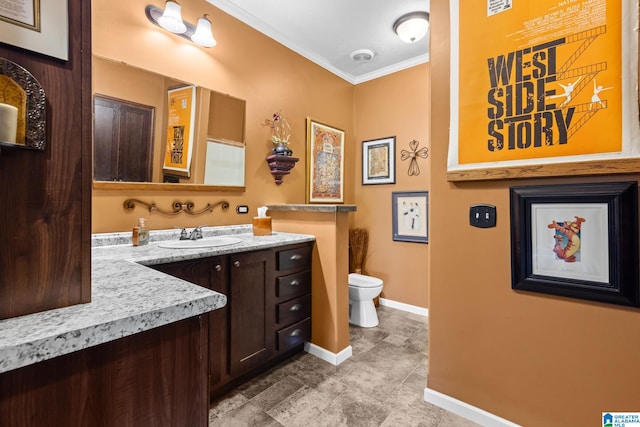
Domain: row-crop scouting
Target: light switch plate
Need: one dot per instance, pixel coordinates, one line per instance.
(482, 216)
(242, 209)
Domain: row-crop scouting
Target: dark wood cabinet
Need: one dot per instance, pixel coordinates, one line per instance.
(251, 316)
(153, 378)
(268, 313)
(293, 296)
(123, 140)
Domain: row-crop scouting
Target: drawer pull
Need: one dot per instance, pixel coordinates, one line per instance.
(236, 263)
(294, 282)
(295, 333)
(295, 257)
(218, 267)
(295, 307)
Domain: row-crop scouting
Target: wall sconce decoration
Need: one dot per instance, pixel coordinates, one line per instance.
(412, 27)
(171, 20)
(280, 166)
(22, 108)
(280, 162)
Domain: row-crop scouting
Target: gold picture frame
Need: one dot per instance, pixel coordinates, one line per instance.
(38, 26)
(325, 163)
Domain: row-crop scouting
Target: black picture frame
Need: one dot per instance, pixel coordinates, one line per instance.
(601, 265)
(379, 161)
(410, 217)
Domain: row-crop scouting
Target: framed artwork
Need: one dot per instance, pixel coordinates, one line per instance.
(547, 96)
(36, 25)
(180, 128)
(578, 240)
(379, 161)
(410, 216)
(325, 163)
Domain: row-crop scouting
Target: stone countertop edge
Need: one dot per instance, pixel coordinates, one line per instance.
(312, 208)
(127, 297)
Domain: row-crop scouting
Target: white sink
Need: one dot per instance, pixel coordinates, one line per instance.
(211, 242)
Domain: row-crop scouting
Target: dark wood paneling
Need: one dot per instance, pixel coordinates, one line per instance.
(155, 378)
(45, 222)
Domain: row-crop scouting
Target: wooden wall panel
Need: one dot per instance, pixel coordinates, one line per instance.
(45, 196)
(154, 378)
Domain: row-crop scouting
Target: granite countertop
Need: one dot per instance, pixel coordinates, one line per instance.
(127, 297)
(312, 208)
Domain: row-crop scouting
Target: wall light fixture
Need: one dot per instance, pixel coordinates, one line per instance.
(412, 27)
(171, 20)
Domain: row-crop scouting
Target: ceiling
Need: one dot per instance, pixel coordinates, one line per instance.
(328, 31)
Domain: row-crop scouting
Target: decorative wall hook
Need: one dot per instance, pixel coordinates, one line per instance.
(177, 207)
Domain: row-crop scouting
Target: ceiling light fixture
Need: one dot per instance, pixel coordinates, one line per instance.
(362, 55)
(171, 20)
(412, 27)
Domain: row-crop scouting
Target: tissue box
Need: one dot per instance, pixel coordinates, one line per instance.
(262, 226)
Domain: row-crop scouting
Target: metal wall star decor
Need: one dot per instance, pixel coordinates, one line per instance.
(414, 170)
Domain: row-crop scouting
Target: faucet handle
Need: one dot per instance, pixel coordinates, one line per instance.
(198, 232)
(183, 233)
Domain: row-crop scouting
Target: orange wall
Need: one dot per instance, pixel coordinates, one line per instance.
(244, 64)
(533, 359)
(394, 105)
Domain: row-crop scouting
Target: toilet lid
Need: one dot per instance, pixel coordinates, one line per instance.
(363, 281)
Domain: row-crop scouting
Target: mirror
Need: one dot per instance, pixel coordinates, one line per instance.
(140, 141)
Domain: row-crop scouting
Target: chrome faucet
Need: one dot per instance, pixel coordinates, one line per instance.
(195, 234)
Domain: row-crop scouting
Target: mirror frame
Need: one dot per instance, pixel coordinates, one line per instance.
(158, 186)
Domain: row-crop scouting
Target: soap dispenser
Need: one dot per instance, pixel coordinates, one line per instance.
(140, 233)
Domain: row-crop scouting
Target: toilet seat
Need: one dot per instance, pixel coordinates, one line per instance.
(362, 281)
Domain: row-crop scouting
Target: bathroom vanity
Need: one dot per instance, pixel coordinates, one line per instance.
(268, 314)
(138, 353)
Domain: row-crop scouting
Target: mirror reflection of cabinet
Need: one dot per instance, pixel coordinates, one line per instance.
(219, 129)
(122, 140)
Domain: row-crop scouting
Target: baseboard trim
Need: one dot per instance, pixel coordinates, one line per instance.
(477, 415)
(405, 307)
(326, 355)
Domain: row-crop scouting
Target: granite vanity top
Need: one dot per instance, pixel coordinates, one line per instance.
(127, 297)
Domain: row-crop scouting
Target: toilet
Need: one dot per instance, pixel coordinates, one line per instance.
(362, 290)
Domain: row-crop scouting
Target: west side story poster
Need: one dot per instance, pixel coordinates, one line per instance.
(542, 82)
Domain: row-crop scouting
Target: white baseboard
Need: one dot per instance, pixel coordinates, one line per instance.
(326, 355)
(465, 410)
(405, 307)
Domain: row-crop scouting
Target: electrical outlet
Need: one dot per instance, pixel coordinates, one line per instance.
(242, 209)
(482, 216)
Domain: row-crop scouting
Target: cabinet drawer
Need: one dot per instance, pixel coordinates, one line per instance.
(294, 334)
(293, 285)
(294, 258)
(294, 310)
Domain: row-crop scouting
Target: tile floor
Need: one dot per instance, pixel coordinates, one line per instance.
(382, 384)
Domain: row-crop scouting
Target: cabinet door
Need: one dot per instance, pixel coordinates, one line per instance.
(252, 316)
(123, 140)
